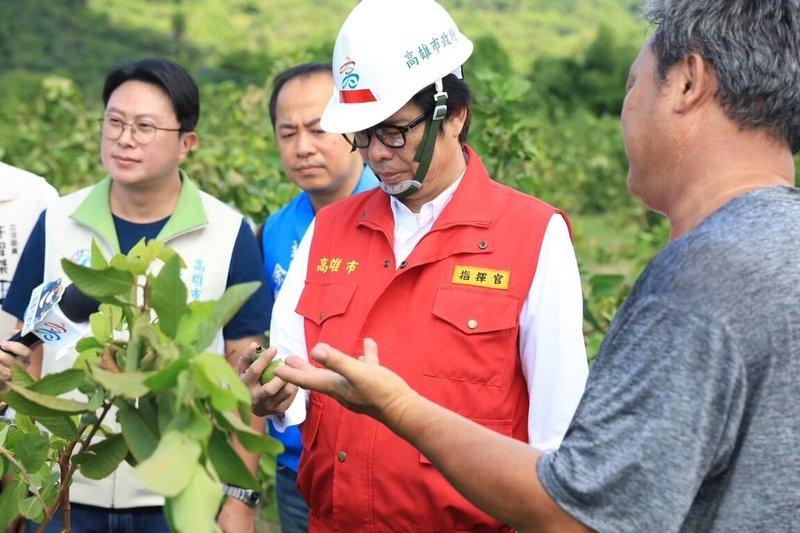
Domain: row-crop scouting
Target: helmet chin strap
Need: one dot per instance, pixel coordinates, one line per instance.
(425, 151)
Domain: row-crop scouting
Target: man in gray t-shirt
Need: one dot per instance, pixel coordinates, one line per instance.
(691, 416)
(690, 419)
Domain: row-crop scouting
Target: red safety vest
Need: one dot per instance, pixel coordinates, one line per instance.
(446, 320)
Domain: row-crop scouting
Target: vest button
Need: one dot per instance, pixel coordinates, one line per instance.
(342, 457)
(472, 324)
(483, 245)
(386, 264)
(403, 264)
(321, 315)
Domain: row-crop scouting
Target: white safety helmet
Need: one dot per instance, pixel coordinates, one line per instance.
(386, 52)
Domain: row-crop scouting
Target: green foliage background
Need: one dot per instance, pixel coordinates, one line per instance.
(548, 79)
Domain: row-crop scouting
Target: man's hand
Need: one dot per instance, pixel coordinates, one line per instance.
(271, 398)
(361, 385)
(236, 517)
(12, 353)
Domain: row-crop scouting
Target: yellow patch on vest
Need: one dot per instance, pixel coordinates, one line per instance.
(481, 277)
(335, 264)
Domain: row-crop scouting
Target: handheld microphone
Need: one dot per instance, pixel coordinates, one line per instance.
(54, 315)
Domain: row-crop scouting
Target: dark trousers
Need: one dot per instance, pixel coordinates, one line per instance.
(89, 519)
(292, 508)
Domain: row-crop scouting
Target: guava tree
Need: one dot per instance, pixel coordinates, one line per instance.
(144, 389)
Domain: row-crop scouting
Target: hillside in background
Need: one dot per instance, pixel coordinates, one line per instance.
(81, 39)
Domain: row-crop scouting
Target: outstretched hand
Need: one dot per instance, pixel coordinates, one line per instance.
(360, 384)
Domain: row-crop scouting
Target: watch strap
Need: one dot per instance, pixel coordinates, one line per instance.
(249, 497)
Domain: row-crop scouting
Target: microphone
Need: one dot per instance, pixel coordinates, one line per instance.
(54, 315)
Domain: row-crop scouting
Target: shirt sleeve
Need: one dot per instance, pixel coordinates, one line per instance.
(552, 348)
(253, 317)
(29, 273)
(662, 410)
(287, 329)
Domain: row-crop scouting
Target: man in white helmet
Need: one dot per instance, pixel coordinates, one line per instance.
(470, 288)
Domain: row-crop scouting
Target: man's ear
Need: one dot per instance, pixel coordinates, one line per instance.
(188, 142)
(695, 84)
(455, 121)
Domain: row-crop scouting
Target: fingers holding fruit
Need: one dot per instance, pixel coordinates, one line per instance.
(269, 372)
(271, 395)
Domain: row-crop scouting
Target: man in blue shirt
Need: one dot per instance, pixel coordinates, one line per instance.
(327, 170)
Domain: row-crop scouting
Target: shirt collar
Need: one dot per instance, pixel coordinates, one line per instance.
(95, 212)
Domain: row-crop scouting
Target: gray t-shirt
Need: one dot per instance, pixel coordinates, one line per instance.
(691, 416)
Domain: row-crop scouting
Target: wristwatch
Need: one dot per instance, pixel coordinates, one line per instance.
(249, 497)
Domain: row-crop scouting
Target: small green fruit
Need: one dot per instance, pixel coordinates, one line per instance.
(269, 372)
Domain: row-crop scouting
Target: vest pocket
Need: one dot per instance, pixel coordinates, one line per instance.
(319, 302)
(479, 336)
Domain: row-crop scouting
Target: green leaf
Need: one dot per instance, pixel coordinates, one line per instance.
(100, 459)
(33, 403)
(103, 284)
(3, 433)
(61, 426)
(226, 307)
(195, 509)
(140, 436)
(190, 422)
(128, 384)
(250, 439)
(171, 466)
(138, 258)
(25, 423)
(214, 375)
(137, 344)
(104, 322)
(233, 299)
(189, 327)
(59, 383)
(261, 444)
(88, 343)
(168, 253)
(21, 377)
(229, 466)
(13, 491)
(167, 377)
(168, 296)
(221, 312)
(30, 508)
(31, 450)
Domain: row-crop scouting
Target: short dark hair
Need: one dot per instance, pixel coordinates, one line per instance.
(458, 97)
(300, 71)
(754, 49)
(169, 76)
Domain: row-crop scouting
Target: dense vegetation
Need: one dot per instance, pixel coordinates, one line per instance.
(547, 78)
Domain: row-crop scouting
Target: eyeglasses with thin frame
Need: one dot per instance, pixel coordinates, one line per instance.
(142, 132)
(390, 135)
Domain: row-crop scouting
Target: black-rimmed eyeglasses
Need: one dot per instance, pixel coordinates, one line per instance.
(142, 132)
(388, 134)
